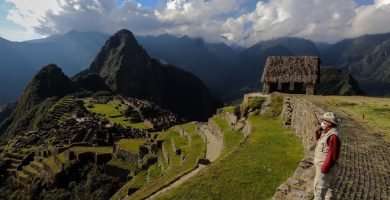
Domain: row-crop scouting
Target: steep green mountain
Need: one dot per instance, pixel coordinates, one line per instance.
(335, 81)
(128, 70)
(366, 58)
(40, 94)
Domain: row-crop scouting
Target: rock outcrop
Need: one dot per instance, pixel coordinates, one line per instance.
(129, 71)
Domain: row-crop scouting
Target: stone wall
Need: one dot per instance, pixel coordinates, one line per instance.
(115, 171)
(247, 129)
(124, 154)
(229, 117)
(214, 129)
(299, 114)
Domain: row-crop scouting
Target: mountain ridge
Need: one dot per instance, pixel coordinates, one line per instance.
(225, 70)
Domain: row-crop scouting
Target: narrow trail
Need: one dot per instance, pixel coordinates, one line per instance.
(213, 150)
(364, 162)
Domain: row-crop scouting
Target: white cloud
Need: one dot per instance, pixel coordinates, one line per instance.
(214, 20)
(28, 13)
(318, 20)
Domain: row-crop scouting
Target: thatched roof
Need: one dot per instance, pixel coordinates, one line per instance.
(285, 69)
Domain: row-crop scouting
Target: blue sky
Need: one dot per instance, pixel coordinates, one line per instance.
(231, 21)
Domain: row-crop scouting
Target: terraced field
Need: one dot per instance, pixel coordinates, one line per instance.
(60, 111)
(182, 147)
(113, 111)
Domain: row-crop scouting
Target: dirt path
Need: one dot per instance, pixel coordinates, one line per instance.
(364, 162)
(214, 149)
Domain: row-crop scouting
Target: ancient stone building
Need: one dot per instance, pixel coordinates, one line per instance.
(291, 74)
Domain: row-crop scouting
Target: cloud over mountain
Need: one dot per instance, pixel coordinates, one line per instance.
(232, 21)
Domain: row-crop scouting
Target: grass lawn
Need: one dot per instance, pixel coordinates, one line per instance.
(31, 169)
(139, 125)
(229, 109)
(131, 145)
(253, 171)
(112, 114)
(62, 158)
(376, 110)
(121, 164)
(231, 138)
(99, 150)
(52, 165)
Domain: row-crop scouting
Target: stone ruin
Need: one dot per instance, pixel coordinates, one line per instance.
(154, 116)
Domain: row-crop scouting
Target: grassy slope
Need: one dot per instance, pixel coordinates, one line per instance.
(98, 150)
(253, 171)
(376, 110)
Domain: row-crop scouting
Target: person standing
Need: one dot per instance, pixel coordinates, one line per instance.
(325, 159)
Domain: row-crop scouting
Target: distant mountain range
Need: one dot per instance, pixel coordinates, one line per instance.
(227, 71)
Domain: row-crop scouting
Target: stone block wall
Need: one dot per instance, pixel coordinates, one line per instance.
(214, 129)
(300, 115)
(229, 117)
(124, 155)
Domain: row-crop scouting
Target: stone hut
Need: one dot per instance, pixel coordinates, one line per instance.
(291, 74)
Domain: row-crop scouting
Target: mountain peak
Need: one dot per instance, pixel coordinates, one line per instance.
(125, 37)
(50, 81)
(123, 50)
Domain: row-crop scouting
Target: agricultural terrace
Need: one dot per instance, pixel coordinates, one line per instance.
(113, 112)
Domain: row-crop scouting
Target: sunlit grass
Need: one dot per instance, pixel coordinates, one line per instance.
(370, 111)
(253, 171)
(113, 112)
(131, 145)
(98, 150)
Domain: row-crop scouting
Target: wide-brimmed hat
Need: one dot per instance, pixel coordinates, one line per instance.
(330, 117)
